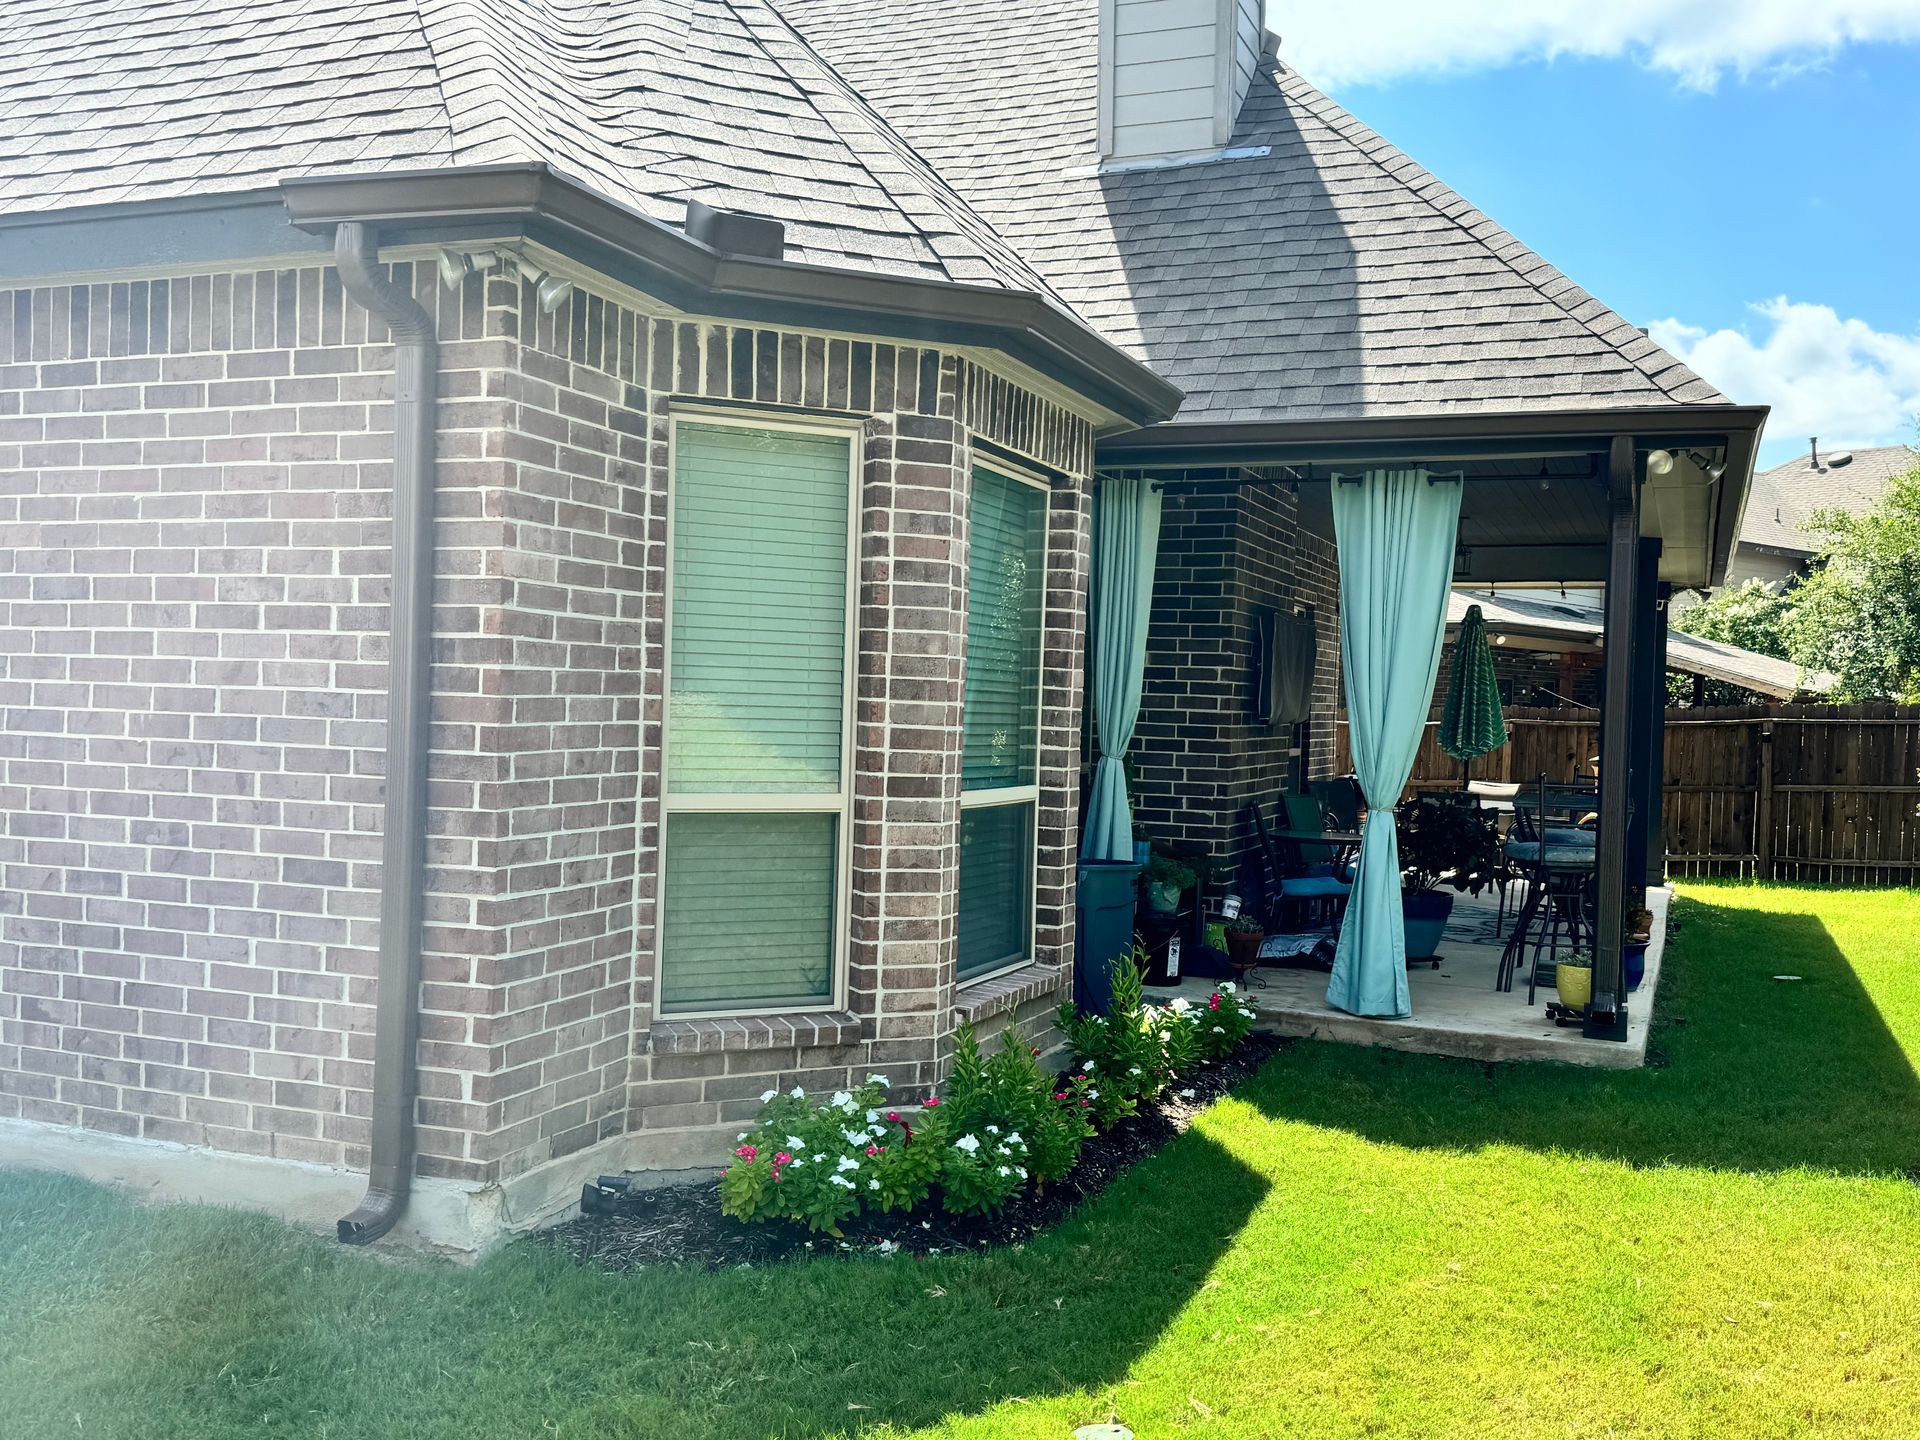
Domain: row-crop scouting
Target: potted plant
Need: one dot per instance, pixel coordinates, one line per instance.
(1442, 842)
(1573, 978)
(1167, 878)
(1244, 936)
(1636, 935)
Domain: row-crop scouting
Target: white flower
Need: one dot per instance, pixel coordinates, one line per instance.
(873, 1117)
(878, 1080)
(1093, 1094)
(993, 1129)
(1227, 987)
(1133, 1070)
(841, 1181)
(796, 1162)
(741, 1136)
(798, 1092)
(1218, 1031)
(1005, 1170)
(968, 1143)
(855, 1137)
(1021, 1171)
(1014, 1139)
(768, 1095)
(1180, 1006)
(1088, 1067)
(847, 1162)
(842, 1100)
(875, 1185)
(1188, 1093)
(794, 1142)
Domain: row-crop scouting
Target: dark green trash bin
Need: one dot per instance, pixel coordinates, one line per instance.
(1103, 929)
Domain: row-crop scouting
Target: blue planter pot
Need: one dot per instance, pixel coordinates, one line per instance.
(1633, 961)
(1142, 852)
(1426, 921)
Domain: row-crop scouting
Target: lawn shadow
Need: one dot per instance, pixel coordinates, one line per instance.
(1744, 1071)
(824, 1348)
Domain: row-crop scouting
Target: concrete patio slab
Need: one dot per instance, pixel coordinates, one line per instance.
(1456, 1010)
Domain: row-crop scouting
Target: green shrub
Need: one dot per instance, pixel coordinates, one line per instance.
(1223, 1027)
(1008, 1090)
(822, 1165)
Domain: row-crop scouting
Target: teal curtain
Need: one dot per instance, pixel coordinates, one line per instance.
(1126, 537)
(1395, 531)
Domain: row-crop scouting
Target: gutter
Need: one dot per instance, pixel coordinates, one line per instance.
(434, 206)
(409, 692)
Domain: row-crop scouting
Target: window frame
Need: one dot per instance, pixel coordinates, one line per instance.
(1005, 795)
(838, 804)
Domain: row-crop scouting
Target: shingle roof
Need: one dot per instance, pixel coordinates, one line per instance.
(1784, 498)
(1328, 278)
(651, 102)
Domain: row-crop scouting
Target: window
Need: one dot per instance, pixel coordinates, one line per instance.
(754, 851)
(1006, 584)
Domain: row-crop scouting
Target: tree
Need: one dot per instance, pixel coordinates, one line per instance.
(1858, 613)
(1753, 616)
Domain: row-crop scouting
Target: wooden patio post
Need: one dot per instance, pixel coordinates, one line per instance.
(1607, 1016)
(1648, 709)
(1656, 793)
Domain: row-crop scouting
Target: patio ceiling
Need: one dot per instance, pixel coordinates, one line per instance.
(1535, 508)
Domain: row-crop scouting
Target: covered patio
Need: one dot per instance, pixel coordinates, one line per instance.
(1633, 502)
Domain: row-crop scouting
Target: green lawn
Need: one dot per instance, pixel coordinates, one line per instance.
(1359, 1244)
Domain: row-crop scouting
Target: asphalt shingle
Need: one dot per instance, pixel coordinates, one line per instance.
(1358, 282)
(1784, 498)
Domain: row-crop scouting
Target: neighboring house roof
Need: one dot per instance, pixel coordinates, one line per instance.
(1328, 278)
(651, 102)
(1784, 498)
(1583, 625)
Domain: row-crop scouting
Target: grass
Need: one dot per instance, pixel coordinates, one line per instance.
(1358, 1244)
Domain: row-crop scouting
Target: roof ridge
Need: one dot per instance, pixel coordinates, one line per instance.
(908, 162)
(1583, 308)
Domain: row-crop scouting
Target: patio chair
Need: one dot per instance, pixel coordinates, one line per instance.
(1295, 885)
(1558, 862)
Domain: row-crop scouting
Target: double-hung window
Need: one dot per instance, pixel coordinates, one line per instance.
(1000, 793)
(754, 848)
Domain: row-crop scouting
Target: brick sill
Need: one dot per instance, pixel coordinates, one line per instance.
(754, 1032)
(981, 998)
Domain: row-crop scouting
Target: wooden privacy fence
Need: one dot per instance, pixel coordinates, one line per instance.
(1782, 792)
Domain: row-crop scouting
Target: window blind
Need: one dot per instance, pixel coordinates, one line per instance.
(751, 914)
(996, 887)
(1005, 565)
(750, 911)
(759, 611)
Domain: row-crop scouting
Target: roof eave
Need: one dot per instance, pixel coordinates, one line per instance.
(617, 238)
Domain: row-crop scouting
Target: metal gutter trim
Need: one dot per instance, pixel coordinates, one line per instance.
(409, 700)
(534, 193)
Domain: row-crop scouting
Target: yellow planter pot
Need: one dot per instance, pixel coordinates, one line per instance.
(1575, 983)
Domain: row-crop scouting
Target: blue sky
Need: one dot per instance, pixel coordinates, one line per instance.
(1740, 177)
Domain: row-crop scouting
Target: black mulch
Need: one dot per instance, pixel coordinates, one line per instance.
(682, 1224)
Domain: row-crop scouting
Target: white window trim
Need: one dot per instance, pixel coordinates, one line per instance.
(837, 804)
(1017, 794)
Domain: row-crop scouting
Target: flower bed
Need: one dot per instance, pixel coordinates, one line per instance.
(1003, 1151)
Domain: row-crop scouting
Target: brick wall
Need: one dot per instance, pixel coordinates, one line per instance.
(1198, 760)
(192, 666)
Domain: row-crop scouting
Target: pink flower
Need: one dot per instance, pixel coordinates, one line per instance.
(894, 1115)
(873, 1149)
(932, 1100)
(1213, 1002)
(747, 1153)
(781, 1157)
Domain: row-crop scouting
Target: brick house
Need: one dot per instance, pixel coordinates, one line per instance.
(535, 543)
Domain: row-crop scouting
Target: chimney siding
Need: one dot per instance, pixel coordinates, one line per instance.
(1173, 74)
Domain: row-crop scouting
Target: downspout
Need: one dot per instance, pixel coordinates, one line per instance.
(409, 691)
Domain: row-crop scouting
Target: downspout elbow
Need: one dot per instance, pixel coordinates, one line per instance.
(409, 696)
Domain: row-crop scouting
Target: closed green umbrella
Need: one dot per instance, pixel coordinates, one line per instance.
(1471, 723)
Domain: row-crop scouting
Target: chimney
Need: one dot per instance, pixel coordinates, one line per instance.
(1173, 74)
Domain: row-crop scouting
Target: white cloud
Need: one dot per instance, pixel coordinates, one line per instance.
(1344, 42)
(1842, 380)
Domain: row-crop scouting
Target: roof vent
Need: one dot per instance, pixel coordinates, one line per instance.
(734, 233)
(1839, 458)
